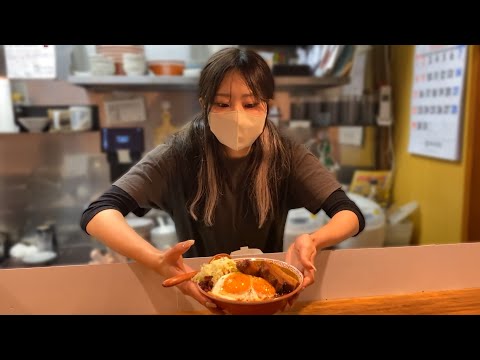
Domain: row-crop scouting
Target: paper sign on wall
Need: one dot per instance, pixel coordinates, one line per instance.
(30, 61)
(350, 135)
(437, 101)
(121, 111)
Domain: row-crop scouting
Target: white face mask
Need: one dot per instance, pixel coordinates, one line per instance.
(236, 129)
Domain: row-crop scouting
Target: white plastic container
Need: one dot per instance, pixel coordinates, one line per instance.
(373, 235)
(400, 228)
(301, 221)
(399, 234)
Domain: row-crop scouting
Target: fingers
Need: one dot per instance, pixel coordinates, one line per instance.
(312, 260)
(303, 250)
(180, 248)
(293, 298)
(307, 257)
(190, 289)
(308, 278)
(215, 310)
(291, 301)
(307, 253)
(290, 256)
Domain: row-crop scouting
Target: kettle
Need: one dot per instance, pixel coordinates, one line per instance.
(47, 237)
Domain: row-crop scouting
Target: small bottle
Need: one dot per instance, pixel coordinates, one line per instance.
(165, 129)
(373, 189)
(18, 106)
(166, 114)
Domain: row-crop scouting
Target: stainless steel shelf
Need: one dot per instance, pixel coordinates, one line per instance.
(149, 82)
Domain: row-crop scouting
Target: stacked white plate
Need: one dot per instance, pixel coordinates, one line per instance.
(115, 52)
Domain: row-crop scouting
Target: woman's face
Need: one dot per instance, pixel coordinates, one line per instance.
(234, 94)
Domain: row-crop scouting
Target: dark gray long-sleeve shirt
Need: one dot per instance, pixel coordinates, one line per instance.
(157, 182)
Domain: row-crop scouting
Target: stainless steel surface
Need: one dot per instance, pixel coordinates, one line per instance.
(54, 176)
(49, 178)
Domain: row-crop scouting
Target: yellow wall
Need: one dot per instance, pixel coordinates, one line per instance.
(437, 185)
(361, 156)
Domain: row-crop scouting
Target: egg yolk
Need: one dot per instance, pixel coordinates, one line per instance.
(262, 287)
(236, 283)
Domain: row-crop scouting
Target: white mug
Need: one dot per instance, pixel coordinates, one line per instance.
(80, 118)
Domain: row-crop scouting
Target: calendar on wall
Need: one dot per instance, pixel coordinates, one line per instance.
(437, 101)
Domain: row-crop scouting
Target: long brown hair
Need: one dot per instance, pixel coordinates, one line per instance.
(270, 159)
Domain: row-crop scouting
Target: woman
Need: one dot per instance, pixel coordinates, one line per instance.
(227, 179)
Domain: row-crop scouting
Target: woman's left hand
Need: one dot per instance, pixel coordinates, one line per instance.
(301, 253)
(172, 264)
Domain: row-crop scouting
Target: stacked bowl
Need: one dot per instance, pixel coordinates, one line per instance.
(117, 52)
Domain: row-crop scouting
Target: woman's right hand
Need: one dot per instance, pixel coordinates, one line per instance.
(172, 264)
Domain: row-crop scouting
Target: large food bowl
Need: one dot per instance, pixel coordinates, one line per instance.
(264, 307)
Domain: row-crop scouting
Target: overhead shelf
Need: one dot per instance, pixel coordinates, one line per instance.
(148, 82)
(309, 81)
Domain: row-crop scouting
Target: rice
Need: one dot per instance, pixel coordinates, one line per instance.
(217, 268)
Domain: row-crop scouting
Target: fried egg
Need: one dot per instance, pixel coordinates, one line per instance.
(243, 287)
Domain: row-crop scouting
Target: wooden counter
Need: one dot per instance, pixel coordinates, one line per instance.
(448, 302)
